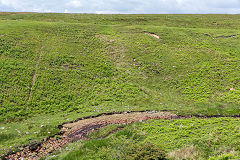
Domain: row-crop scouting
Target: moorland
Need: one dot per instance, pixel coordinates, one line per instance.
(56, 68)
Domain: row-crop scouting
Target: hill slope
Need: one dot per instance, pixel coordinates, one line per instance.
(70, 65)
(53, 66)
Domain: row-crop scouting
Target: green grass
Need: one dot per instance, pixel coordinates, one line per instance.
(87, 64)
(104, 132)
(203, 138)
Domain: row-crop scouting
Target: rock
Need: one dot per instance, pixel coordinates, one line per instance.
(34, 145)
(21, 148)
(111, 41)
(181, 125)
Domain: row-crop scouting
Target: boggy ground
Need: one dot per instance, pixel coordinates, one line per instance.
(211, 138)
(79, 130)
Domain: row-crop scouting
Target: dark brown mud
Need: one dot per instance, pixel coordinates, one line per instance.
(78, 130)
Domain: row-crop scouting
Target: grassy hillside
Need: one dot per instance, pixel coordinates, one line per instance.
(57, 67)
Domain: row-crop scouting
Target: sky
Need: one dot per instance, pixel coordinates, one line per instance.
(123, 6)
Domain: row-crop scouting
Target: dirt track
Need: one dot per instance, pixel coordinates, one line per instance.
(34, 74)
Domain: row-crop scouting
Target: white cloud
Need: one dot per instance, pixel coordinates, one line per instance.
(106, 12)
(74, 3)
(10, 3)
(66, 11)
(123, 6)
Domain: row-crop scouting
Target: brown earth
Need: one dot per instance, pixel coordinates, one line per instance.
(79, 130)
(153, 35)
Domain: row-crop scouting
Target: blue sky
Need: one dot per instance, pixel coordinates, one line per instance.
(123, 6)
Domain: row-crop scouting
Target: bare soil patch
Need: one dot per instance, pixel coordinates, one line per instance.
(220, 36)
(79, 130)
(153, 35)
